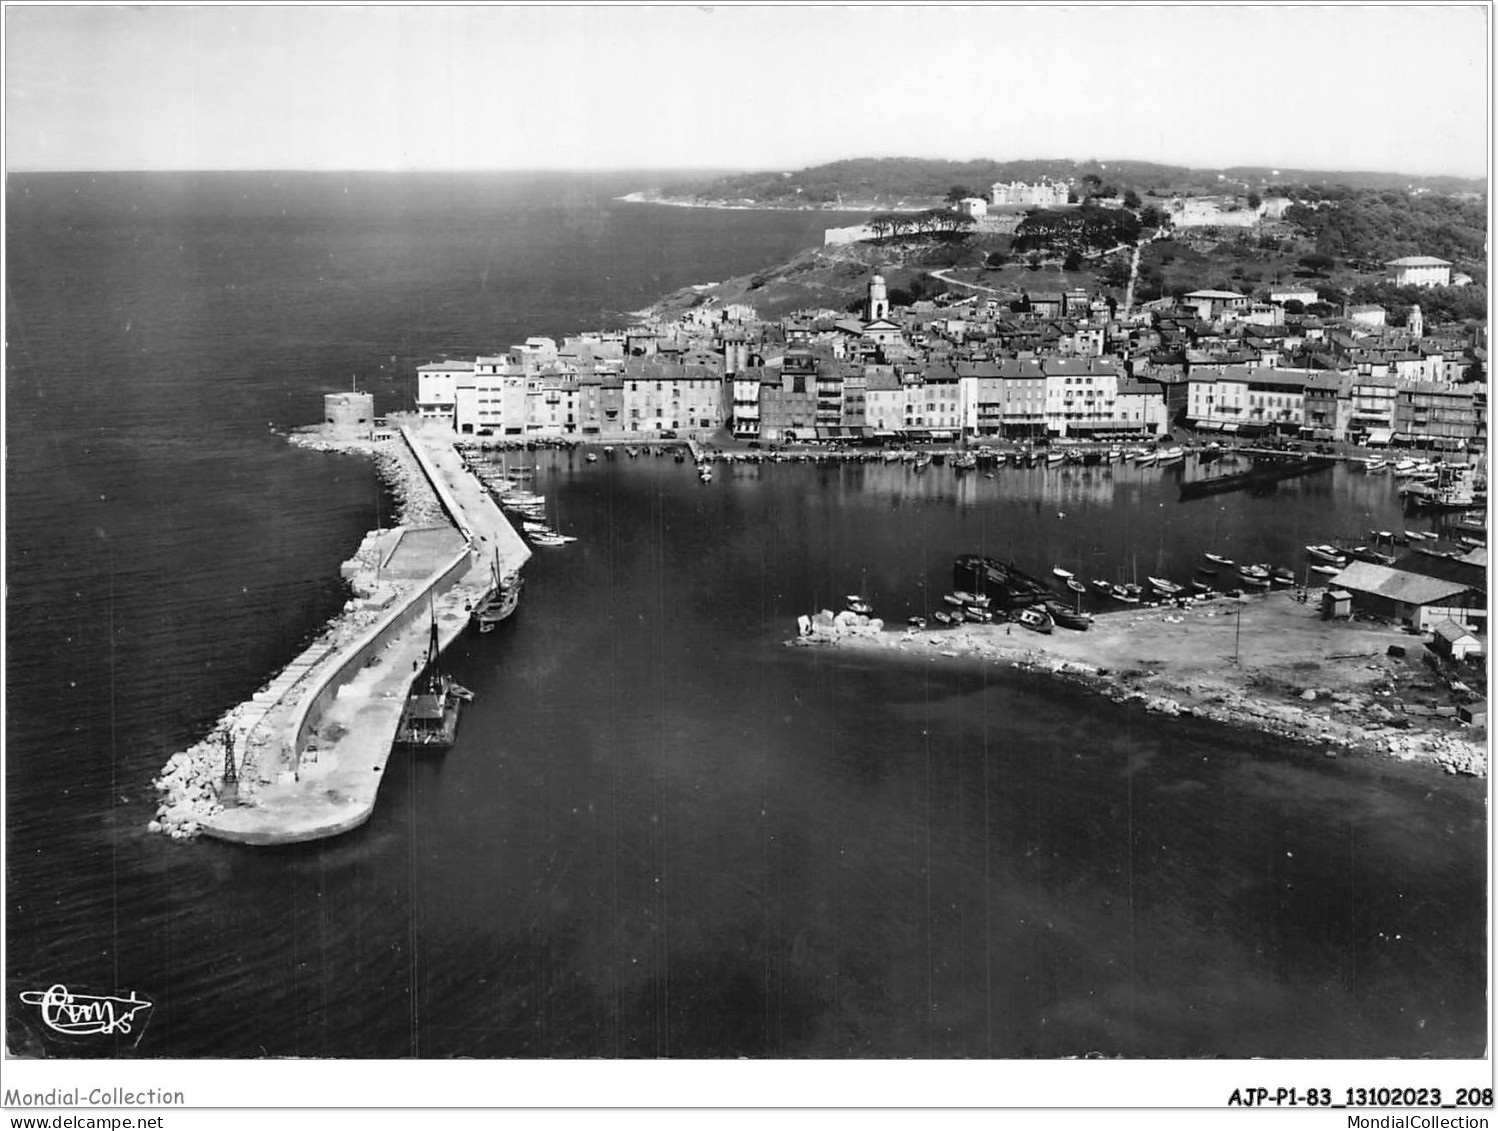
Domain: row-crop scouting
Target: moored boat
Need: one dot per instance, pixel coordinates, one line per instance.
(1218, 559)
(1164, 587)
(429, 720)
(1036, 619)
(1068, 618)
(1324, 552)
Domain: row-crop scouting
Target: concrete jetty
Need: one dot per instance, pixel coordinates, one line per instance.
(312, 746)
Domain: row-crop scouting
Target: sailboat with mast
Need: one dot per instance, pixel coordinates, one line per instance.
(500, 601)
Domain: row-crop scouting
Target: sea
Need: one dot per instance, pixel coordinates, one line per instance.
(661, 833)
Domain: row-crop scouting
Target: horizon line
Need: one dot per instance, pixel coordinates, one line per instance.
(721, 169)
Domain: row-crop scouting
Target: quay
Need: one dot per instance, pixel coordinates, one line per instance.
(311, 748)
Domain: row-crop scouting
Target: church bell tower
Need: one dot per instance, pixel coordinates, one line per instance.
(878, 300)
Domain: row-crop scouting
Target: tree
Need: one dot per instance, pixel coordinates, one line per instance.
(1153, 218)
(1071, 196)
(995, 260)
(1295, 306)
(1131, 199)
(959, 192)
(1318, 263)
(1072, 262)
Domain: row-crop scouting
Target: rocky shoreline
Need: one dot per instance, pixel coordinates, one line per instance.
(188, 785)
(1347, 697)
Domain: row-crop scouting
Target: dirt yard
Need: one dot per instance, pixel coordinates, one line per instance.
(1267, 661)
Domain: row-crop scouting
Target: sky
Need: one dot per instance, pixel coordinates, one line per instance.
(1395, 88)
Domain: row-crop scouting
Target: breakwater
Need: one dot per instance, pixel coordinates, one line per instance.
(310, 749)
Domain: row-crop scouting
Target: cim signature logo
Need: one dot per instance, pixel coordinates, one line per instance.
(79, 1015)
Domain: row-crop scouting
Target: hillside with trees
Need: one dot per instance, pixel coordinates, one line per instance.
(911, 182)
(1368, 227)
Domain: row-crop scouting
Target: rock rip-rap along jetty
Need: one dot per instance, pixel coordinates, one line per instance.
(309, 750)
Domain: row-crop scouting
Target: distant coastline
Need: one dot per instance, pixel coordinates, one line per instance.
(723, 205)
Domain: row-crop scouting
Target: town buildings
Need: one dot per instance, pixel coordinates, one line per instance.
(1054, 364)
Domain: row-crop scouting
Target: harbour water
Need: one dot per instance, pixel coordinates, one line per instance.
(660, 833)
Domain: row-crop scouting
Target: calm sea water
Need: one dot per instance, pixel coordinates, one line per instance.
(661, 833)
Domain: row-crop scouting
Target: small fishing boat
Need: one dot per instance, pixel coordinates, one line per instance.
(1324, 552)
(977, 615)
(1075, 586)
(917, 622)
(1163, 587)
(1171, 454)
(955, 598)
(1218, 559)
(550, 540)
(1128, 594)
(1054, 458)
(1102, 586)
(857, 604)
(1063, 574)
(1068, 618)
(1375, 465)
(591, 457)
(1036, 619)
(941, 617)
(1145, 459)
(1255, 577)
(1326, 570)
(1281, 576)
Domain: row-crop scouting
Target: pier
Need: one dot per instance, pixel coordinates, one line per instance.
(315, 741)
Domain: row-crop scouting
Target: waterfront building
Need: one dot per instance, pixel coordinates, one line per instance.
(933, 406)
(1434, 413)
(1370, 417)
(1419, 271)
(437, 388)
(1326, 402)
(788, 399)
(668, 396)
(1080, 396)
(1245, 399)
(884, 400)
(746, 416)
(1140, 407)
(854, 419)
(1410, 598)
